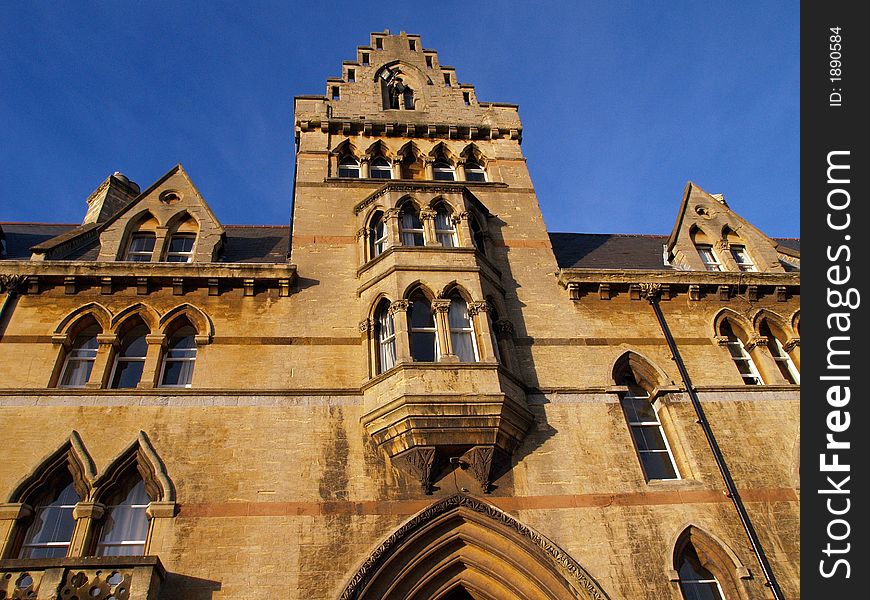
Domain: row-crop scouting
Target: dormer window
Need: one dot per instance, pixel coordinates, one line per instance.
(379, 43)
(351, 76)
(741, 257)
(365, 59)
(446, 79)
(708, 257)
(380, 168)
(348, 166)
(181, 248)
(141, 247)
(443, 171)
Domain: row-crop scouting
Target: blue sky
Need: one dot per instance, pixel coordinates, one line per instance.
(622, 102)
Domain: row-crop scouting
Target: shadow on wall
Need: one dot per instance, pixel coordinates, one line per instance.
(189, 588)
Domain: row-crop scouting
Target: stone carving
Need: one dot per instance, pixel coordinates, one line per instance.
(98, 585)
(651, 291)
(479, 460)
(441, 305)
(364, 325)
(11, 283)
(418, 462)
(504, 328)
(567, 565)
(789, 345)
(399, 306)
(478, 306)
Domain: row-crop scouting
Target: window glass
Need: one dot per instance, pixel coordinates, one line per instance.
(783, 360)
(424, 347)
(443, 171)
(740, 356)
(52, 527)
(646, 429)
(696, 582)
(141, 247)
(179, 358)
(445, 231)
(131, 358)
(411, 227)
(461, 330)
(386, 336)
(181, 248)
(348, 167)
(741, 257)
(708, 257)
(377, 235)
(380, 169)
(125, 525)
(474, 172)
(80, 358)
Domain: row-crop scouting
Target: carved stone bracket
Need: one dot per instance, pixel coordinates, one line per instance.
(752, 293)
(721, 340)
(418, 463)
(441, 305)
(479, 460)
(365, 325)
(722, 245)
(427, 214)
(11, 283)
(756, 341)
(694, 292)
(651, 291)
(478, 306)
(724, 292)
(790, 344)
(504, 327)
(604, 291)
(781, 293)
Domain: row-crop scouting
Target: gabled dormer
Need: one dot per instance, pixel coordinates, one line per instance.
(709, 236)
(168, 222)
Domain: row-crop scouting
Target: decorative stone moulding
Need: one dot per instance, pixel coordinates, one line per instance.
(423, 416)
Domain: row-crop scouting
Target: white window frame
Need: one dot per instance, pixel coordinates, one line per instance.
(188, 255)
(76, 355)
(449, 234)
(168, 358)
(742, 258)
(37, 509)
(434, 329)
(386, 168)
(442, 165)
(701, 581)
(100, 545)
(462, 330)
(119, 358)
(782, 358)
(386, 340)
(708, 257)
(132, 255)
(411, 230)
(476, 168)
(349, 163)
(739, 355)
(658, 424)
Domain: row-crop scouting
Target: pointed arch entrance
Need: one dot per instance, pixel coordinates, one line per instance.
(461, 548)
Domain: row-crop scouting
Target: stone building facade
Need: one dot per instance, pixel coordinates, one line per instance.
(416, 391)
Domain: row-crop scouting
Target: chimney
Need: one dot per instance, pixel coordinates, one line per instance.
(112, 195)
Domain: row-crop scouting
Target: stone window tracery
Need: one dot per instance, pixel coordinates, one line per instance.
(459, 323)
(124, 527)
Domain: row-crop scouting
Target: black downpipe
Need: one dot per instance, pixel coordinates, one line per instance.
(730, 487)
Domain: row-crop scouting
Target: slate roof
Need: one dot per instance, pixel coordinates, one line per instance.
(244, 243)
(608, 251)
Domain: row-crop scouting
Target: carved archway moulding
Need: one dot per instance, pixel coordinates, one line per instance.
(406, 554)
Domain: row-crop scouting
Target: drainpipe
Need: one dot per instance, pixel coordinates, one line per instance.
(11, 283)
(652, 292)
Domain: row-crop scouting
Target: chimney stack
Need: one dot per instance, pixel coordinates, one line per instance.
(113, 194)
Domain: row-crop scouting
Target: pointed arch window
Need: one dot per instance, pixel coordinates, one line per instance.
(443, 170)
(80, 359)
(786, 366)
(348, 166)
(52, 523)
(696, 582)
(445, 230)
(461, 329)
(124, 528)
(377, 235)
(742, 359)
(742, 258)
(130, 360)
(708, 257)
(380, 168)
(647, 432)
(180, 357)
(141, 247)
(421, 328)
(410, 226)
(180, 248)
(474, 171)
(385, 333)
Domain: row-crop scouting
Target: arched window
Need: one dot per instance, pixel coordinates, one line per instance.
(348, 166)
(180, 249)
(461, 329)
(377, 235)
(380, 168)
(783, 360)
(708, 257)
(646, 430)
(443, 170)
(445, 230)
(421, 328)
(696, 582)
(130, 360)
(125, 525)
(739, 355)
(477, 236)
(385, 333)
(52, 523)
(474, 172)
(141, 247)
(742, 258)
(410, 226)
(179, 358)
(80, 359)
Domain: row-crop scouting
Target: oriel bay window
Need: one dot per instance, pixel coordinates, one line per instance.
(385, 334)
(461, 330)
(410, 226)
(377, 235)
(421, 329)
(445, 230)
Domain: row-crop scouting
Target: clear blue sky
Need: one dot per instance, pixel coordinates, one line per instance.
(622, 102)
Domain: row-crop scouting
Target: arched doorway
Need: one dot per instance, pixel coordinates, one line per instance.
(462, 548)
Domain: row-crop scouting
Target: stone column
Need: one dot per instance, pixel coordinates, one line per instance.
(107, 344)
(764, 361)
(399, 312)
(86, 515)
(427, 216)
(160, 234)
(362, 244)
(429, 174)
(391, 221)
(459, 169)
(792, 347)
(364, 171)
(441, 306)
(151, 369)
(12, 515)
(479, 313)
(463, 230)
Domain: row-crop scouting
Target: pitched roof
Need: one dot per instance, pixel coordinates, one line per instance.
(244, 243)
(608, 251)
